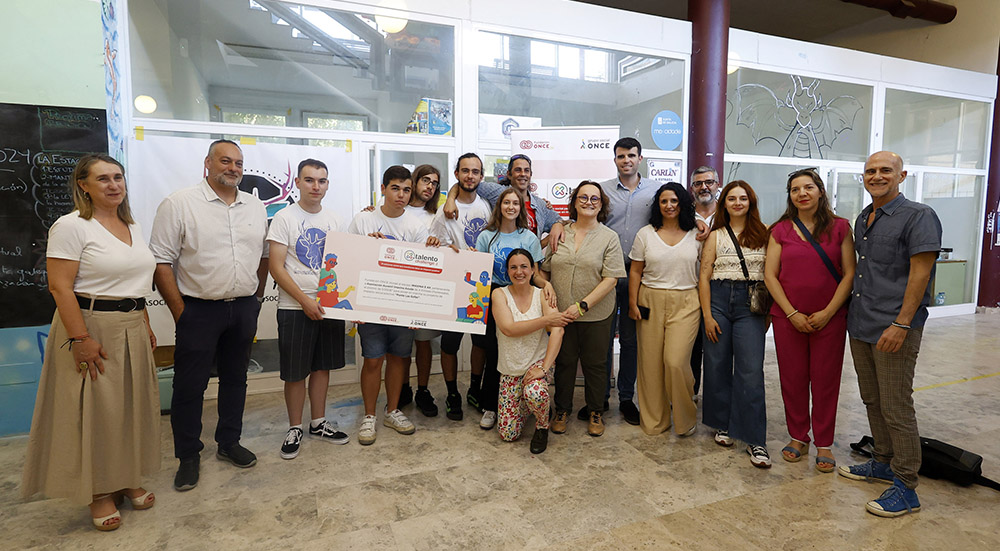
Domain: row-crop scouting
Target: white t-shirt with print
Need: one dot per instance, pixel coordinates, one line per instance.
(462, 231)
(304, 234)
(405, 227)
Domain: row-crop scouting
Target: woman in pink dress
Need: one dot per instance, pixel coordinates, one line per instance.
(810, 291)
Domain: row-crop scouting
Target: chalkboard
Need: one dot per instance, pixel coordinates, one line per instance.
(39, 146)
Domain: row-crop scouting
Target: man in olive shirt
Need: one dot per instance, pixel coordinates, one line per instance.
(897, 241)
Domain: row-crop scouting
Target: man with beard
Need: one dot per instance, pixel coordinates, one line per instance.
(542, 217)
(461, 233)
(704, 190)
(211, 254)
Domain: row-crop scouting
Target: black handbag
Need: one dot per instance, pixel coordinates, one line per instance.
(941, 461)
(760, 297)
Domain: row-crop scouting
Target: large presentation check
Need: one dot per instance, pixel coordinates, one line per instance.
(399, 283)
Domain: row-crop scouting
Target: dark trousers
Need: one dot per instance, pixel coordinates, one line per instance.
(490, 391)
(627, 344)
(219, 333)
(586, 343)
(696, 357)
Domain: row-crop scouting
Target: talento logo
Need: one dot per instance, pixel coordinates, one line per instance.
(560, 191)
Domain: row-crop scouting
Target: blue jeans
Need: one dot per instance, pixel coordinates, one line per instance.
(626, 342)
(734, 367)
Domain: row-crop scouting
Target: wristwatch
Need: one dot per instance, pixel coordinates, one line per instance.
(583, 306)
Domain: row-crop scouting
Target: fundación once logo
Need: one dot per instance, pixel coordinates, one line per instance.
(525, 144)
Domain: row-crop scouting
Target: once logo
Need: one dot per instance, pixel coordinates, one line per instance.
(532, 187)
(525, 144)
(390, 250)
(560, 191)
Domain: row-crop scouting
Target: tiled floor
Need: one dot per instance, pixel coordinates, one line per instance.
(454, 486)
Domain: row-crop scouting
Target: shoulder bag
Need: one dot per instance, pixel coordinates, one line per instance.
(760, 298)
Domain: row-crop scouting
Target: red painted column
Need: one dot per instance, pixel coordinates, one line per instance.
(989, 274)
(707, 111)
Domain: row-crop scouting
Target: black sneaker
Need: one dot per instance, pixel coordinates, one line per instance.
(539, 441)
(425, 403)
(187, 474)
(290, 447)
(328, 432)
(237, 455)
(629, 412)
(453, 406)
(472, 397)
(405, 396)
(584, 413)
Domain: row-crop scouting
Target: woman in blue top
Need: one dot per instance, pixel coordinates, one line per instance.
(507, 230)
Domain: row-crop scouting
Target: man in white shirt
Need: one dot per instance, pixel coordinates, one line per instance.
(704, 190)
(309, 345)
(208, 241)
(387, 342)
(461, 233)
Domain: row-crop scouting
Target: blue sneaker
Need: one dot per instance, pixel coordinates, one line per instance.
(870, 471)
(894, 502)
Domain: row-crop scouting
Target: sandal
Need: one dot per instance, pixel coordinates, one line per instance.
(143, 501)
(821, 459)
(109, 522)
(791, 454)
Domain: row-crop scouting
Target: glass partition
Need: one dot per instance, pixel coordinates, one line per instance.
(534, 82)
(958, 201)
(784, 115)
(935, 130)
(266, 62)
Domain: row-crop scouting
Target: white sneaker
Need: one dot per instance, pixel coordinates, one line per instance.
(489, 420)
(759, 457)
(366, 434)
(397, 421)
(722, 438)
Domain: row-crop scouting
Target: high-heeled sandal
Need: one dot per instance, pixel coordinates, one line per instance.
(145, 501)
(112, 521)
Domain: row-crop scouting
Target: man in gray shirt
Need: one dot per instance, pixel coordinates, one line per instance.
(897, 241)
(630, 196)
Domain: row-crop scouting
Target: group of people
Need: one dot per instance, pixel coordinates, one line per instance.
(672, 273)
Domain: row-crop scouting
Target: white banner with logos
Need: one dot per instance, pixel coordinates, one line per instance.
(564, 156)
(161, 165)
(664, 170)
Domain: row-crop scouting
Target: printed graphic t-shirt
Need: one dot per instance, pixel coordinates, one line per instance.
(305, 236)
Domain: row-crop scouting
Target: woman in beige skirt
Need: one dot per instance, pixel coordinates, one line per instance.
(96, 431)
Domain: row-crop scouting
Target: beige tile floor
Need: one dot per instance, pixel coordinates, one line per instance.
(454, 486)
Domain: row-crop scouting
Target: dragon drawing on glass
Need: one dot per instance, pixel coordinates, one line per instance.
(802, 124)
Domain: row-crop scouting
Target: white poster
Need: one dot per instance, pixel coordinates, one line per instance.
(161, 165)
(564, 156)
(663, 170)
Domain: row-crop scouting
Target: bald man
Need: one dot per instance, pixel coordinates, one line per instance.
(897, 241)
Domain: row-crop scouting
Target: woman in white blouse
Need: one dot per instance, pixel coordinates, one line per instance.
(663, 299)
(96, 429)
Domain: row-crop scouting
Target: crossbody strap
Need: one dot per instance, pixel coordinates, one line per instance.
(739, 252)
(822, 254)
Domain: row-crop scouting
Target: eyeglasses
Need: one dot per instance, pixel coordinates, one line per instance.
(595, 199)
(704, 183)
(802, 171)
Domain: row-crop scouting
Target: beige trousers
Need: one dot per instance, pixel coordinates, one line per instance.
(665, 381)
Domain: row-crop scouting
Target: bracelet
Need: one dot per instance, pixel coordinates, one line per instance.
(74, 340)
(789, 316)
(579, 309)
(901, 326)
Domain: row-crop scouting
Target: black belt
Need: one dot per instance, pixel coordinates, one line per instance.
(102, 305)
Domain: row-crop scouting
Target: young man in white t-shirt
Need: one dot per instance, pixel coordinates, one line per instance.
(461, 233)
(389, 342)
(309, 345)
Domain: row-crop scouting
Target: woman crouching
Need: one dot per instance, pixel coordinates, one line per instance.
(526, 354)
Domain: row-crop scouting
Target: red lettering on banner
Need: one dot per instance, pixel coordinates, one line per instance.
(424, 269)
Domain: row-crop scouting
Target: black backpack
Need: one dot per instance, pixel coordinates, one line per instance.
(941, 461)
